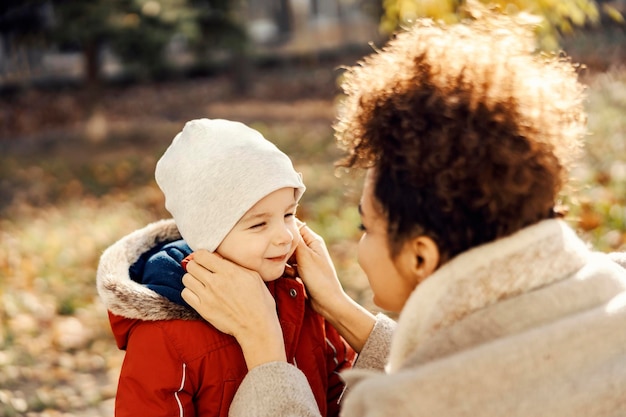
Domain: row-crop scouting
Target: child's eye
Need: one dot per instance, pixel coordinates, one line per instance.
(362, 227)
(287, 215)
(256, 226)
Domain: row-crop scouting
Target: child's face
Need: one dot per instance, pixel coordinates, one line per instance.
(266, 236)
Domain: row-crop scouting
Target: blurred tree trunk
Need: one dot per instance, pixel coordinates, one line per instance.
(96, 123)
(91, 57)
(242, 72)
(341, 17)
(315, 8)
(283, 18)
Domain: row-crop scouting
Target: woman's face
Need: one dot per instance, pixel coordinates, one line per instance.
(266, 236)
(390, 281)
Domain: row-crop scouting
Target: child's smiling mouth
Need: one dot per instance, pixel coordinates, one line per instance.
(282, 258)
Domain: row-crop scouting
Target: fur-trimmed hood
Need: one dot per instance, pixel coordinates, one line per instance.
(123, 296)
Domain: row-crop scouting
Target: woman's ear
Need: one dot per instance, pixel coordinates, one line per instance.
(425, 255)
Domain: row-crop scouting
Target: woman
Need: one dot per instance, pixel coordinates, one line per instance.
(467, 138)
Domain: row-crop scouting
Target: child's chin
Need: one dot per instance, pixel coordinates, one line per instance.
(270, 279)
(273, 271)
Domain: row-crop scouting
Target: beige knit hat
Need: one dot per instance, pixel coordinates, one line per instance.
(214, 172)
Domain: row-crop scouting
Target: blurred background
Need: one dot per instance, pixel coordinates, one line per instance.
(93, 91)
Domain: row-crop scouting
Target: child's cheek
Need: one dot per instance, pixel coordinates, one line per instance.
(296, 239)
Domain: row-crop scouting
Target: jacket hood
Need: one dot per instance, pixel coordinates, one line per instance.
(121, 294)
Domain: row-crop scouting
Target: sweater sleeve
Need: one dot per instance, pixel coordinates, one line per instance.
(375, 352)
(153, 380)
(275, 389)
(279, 389)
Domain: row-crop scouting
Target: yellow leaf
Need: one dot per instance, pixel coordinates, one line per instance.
(613, 13)
(566, 27)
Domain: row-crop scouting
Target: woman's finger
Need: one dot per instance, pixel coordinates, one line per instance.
(313, 241)
(193, 288)
(190, 297)
(192, 282)
(308, 235)
(209, 260)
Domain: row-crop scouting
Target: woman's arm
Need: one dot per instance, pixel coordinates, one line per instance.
(274, 389)
(328, 298)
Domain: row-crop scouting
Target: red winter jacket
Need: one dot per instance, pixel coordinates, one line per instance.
(177, 364)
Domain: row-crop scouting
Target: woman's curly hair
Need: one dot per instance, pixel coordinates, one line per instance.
(470, 133)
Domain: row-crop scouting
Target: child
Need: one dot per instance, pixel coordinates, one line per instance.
(231, 191)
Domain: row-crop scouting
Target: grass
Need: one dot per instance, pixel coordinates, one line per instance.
(63, 205)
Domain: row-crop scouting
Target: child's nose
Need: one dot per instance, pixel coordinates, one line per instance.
(283, 235)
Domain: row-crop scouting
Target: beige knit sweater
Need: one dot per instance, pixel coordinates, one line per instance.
(530, 325)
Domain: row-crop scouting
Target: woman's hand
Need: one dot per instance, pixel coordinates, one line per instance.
(236, 301)
(316, 269)
(327, 296)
